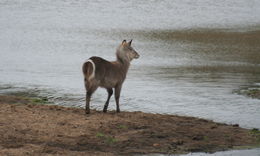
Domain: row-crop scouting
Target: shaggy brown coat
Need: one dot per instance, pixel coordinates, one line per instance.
(99, 72)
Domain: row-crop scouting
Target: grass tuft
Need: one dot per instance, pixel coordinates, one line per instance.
(107, 139)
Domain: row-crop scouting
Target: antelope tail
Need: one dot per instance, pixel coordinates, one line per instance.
(93, 67)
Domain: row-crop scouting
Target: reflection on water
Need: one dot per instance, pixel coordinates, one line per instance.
(211, 45)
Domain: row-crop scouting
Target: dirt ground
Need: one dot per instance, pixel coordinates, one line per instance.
(27, 128)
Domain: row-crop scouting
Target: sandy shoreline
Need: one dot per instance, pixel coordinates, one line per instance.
(27, 128)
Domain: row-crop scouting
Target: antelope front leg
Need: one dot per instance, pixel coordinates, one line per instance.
(117, 96)
(109, 92)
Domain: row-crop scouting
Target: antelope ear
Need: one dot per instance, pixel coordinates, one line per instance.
(124, 42)
(130, 42)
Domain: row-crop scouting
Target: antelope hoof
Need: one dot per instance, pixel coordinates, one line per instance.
(87, 111)
(118, 111)
(104, 110)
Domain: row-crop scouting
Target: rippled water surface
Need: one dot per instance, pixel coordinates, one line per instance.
(194, 54)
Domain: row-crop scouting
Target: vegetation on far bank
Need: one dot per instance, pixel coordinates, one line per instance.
(249, 92)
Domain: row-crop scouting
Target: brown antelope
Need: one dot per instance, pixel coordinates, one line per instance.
(99, 72)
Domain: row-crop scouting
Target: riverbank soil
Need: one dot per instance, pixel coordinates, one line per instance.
(27, 128)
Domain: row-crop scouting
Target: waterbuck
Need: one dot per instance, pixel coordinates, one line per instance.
(99, 72)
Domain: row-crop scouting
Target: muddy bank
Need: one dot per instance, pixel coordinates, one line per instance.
(253, 93)
(27, 128)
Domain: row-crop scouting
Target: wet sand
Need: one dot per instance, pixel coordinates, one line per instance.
(29, 128)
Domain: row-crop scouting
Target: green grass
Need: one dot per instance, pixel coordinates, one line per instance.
(110, 140)
(39, 100)
(206, 138)
(122, 127)
(33, 97)
(254, 93)
(250, 92)
(100, 135)
(256, 133)
(107, 139)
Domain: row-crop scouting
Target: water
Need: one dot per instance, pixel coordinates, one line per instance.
(251, 152)
(194, 54)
